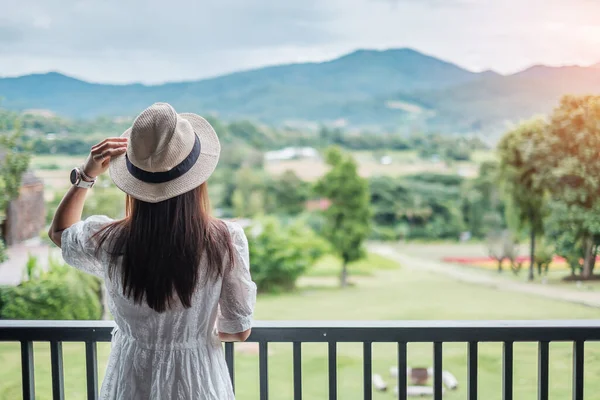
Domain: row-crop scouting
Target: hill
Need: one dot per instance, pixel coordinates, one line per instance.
(494, 101)
(382, 89)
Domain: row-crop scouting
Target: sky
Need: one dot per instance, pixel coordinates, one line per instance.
(154, 41)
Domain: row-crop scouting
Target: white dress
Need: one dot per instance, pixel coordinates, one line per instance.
(175, 355)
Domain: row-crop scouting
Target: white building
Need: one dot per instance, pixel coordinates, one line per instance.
(291, 153)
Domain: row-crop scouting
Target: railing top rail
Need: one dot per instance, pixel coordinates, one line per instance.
(291, 324)
(337, 331)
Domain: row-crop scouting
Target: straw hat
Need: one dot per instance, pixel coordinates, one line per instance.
(168, 154)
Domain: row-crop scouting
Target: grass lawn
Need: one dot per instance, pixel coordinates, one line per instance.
(56, 161)
(390, 294)
(331, 266)
(554, 278)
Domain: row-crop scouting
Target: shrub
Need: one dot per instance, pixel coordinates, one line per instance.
(62, 293)
(49, 166)
(384, 233)
(279, 254)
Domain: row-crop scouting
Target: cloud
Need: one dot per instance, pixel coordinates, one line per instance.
(174, 26)
(154, 40)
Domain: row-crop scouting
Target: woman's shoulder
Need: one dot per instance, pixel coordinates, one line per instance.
(235, 227)
(236, 231)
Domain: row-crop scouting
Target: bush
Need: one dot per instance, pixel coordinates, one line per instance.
(279, 254)
(62, 293)
(384, 233)
(49, 166)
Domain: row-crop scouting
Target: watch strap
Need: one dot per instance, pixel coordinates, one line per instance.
(85, 184)
(79, 179)
(86, 176)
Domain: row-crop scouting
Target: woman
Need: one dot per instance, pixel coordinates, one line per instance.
(172, 272)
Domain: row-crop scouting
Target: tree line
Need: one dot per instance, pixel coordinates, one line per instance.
(56, 135)
(550, 177)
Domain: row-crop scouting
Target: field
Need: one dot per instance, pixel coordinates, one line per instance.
(54, 171)
(473, 256)
(390, 293)
(401, 163)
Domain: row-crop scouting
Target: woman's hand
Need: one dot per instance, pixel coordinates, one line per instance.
(235, 337)
(70, 208)
(100, 155)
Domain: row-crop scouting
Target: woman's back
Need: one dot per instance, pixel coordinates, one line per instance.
(178, 350)
(178, 280)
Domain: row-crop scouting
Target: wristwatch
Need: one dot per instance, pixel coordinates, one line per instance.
(80, 179)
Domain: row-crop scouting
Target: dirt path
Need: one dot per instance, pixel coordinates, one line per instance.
(591, 299)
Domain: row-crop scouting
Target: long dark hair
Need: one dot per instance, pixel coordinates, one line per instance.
(162, 245)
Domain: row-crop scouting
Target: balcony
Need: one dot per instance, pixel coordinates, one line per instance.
(402, 333)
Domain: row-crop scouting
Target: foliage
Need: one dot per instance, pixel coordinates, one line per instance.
(570, 168)
(105, 199)
(248, 198)
(519, 172)
(502, 245)
(481, 202)
(544, 254)
(280, 254)
(567, 235)
(13, 163)
(32, 268)
(549, 173)
(348, 216)
(62, 293)
(288, 193)
(427, 206)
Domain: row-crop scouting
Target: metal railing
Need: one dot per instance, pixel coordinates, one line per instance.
(367, 333)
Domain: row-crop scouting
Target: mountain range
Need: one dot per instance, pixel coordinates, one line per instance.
(400, 89)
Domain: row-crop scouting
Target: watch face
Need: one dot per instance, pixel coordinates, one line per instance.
(73, 176)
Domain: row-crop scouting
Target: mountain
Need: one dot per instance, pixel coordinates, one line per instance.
(494, 101)
(296, 91)
(398, 88)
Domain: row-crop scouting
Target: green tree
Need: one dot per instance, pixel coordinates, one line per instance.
(13, 163)
(519, 172)
(289, 193)
(105, 199)
(482, 206)
(280, 254)
(348, 216)
(248, 197)
(570, 169)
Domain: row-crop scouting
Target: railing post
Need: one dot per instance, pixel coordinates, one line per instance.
(543, 361)
(437, 371)
(297, 371)
(91, 366)
(367, 371)
(27, 374)
(472, 371)
(229, 360)
(263, 353)
(402, 371)
(507, 371)
(578, 355)
(332, 359)
(56, 357)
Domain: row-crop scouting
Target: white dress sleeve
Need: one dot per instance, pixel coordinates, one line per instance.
(238, 293)
(79, 246)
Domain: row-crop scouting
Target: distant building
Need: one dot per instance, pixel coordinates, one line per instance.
(26, 215)
(291, 153)
(385, 160)
(317, 205)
